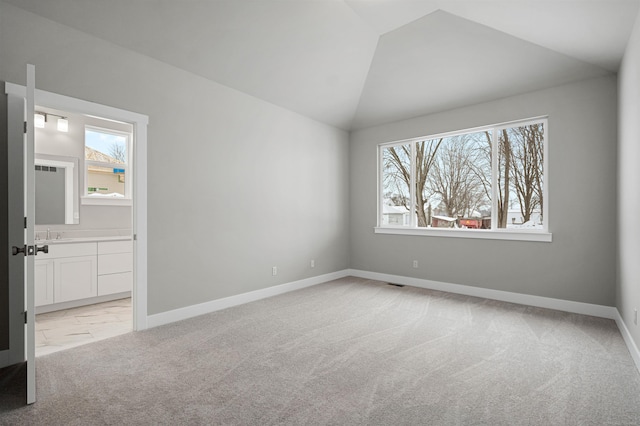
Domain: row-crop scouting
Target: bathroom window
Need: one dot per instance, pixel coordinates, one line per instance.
(107, 172)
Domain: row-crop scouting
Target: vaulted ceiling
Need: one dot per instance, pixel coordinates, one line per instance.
(358, 63)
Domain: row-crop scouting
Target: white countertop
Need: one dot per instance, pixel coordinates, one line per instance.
(83, 240)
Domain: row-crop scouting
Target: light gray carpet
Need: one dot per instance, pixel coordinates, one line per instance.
(348, 352)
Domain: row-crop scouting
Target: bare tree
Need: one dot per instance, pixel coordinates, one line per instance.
(504, 176)
(397, 175)
(425, 156)
(455, 177)
(482, 166)
(537, 138)
(525, 145)
(118, 151)
(454, 174)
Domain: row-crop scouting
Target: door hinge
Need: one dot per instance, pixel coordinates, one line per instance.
(25, 317)
(25, 127)
(25, 223)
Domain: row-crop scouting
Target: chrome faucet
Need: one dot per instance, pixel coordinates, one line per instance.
(48, 233)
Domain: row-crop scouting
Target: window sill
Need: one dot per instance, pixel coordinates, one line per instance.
(511, 235)
(95, 201)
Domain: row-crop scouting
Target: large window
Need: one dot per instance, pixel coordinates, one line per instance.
(106, 164)
(485, 179)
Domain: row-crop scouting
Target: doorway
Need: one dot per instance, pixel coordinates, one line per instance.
(83, 213)
(138, 192)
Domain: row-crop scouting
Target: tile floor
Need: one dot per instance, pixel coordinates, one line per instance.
(59, 330)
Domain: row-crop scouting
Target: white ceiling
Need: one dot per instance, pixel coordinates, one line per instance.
(442, 61)
(357, 63)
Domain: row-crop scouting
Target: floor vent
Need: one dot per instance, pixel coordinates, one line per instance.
(396, 285)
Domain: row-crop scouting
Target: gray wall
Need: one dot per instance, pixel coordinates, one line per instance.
(235, 185)
(628, 290)
(578, 265)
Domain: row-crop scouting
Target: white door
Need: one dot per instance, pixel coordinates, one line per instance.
(30, 214)
(21, 206)
(21, 209)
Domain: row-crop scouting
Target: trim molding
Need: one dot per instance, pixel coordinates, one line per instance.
(511, 234)
(228, 302)
(626, 335)
(43, 309)
(601, 311)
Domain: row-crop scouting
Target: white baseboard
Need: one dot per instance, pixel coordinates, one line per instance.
(631, 344)
(505, 296)
(228, 302)
(81, 302)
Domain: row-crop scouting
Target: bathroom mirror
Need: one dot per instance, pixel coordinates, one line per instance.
(56, 183)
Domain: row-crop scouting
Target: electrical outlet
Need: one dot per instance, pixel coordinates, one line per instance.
(415, 263)
(313, 263)
(274, 271)
(635, 316)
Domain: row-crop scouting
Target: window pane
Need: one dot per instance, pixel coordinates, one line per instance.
(454, 181)
(106, 159)
(105, 182)
(521, 176)
(105, 147)
(426, 198)
(396, 180)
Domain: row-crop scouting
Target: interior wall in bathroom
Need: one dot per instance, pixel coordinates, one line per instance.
(50, 141)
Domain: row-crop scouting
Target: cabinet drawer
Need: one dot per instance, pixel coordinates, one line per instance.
(109, 247)
(115, 283)
(68, 250)
(115, 263)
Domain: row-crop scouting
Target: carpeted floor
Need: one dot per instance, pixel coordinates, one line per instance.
(348, 352)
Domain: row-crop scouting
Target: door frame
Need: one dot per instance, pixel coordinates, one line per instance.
(139, 193)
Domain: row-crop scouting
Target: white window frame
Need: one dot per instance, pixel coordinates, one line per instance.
(106, 201)
(495, 233)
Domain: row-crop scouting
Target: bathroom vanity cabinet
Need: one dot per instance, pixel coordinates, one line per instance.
(115, 267)
(82, 273)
